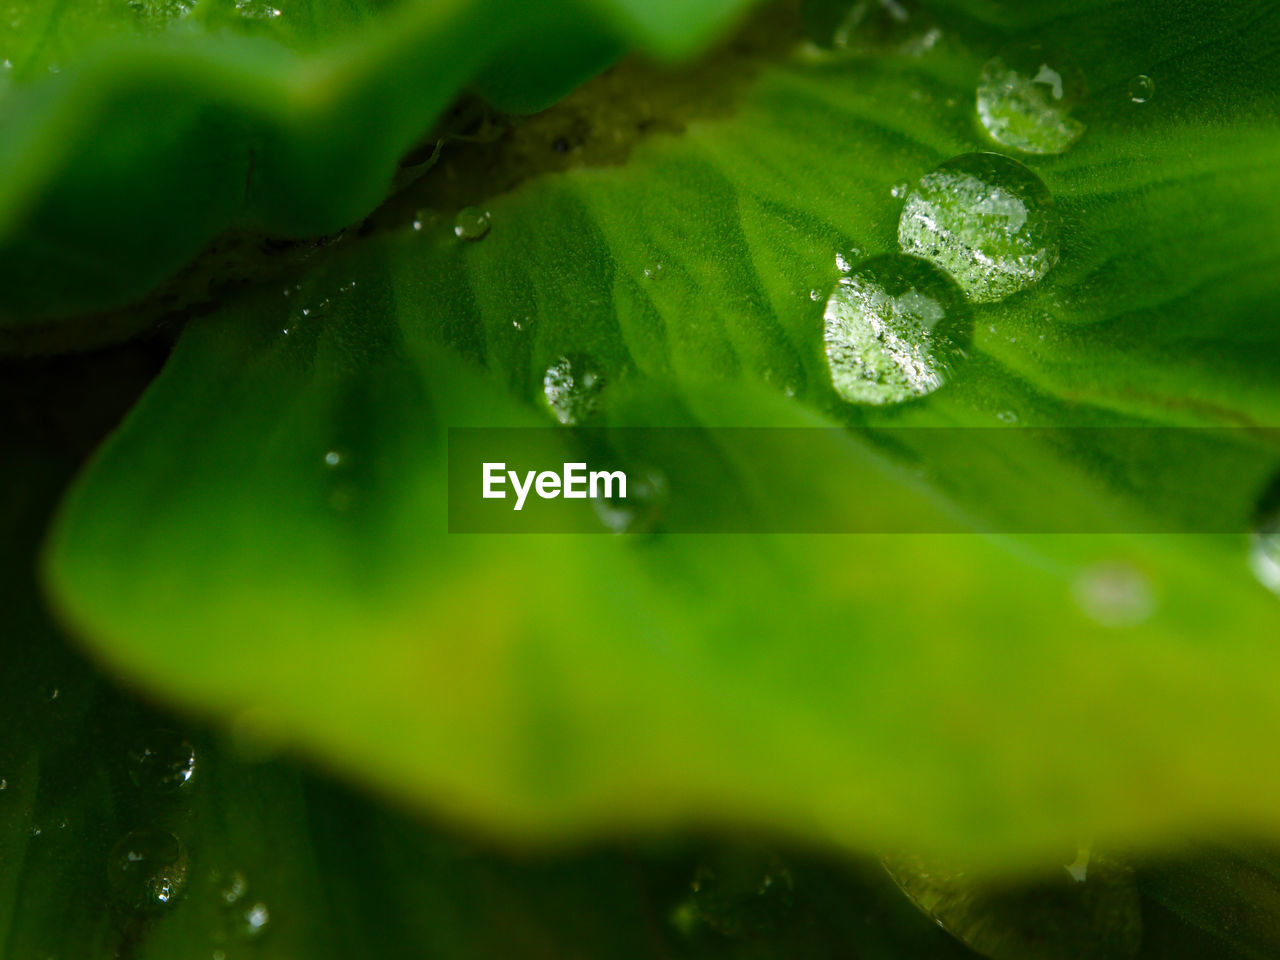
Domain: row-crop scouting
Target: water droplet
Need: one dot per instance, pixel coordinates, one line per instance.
(1098, 916)
(572, 387)
(641, 510)
(985, 219)
(1078, 869)
(1141, 88)
(332, 459)
(892, 329)
(148, 869)
(425, 219)
(899, 189)
(1114, 595)
(253, 922)
(35, 831)
(878, 25)
(4, 784)
(1007, 416)
(1027, 99)
(234, 889)
(653, 272)
(163, 761)
(1264, 553)
(815, 295)
(50, 692)
(472, 223)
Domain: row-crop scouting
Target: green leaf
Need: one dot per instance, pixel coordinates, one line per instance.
(134, 133)
(279, 862)
(943, 694)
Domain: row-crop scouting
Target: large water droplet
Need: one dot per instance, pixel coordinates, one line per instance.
(163, 761)
(472, 223)
(892, 330)
(1026, 100)
(572, 387)
(148, 869)
(1058, 915)
(985, 219)
(1141, 88)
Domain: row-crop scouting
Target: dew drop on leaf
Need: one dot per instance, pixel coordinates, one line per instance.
(1114, 595)
(1141, 88)
(1264, 553)
(892, 330)
(899, 189)
(1027, 99)
(163, 761)
(148, 869)
(472, 223)
(253, 921)
(641, 510)
(572, 387)
(986, 220)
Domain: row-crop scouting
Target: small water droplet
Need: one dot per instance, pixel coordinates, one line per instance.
(472, 223)
(899, 189)
(1141, 88)
(1114, 595)
(653, 272)
(641, 510)
(148, 869)
(1078, 869)
(572, 387)
(234, 889)
(1264, 553)
(4, 784)
(815, 295)
(253, 922)
(332, 459)
(1007, 416)
(892, 329)
(985, 219)
(425, 219)
(50, 692)
(35, 831)
(1027, 99)
(163, 761)
(879, 25)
